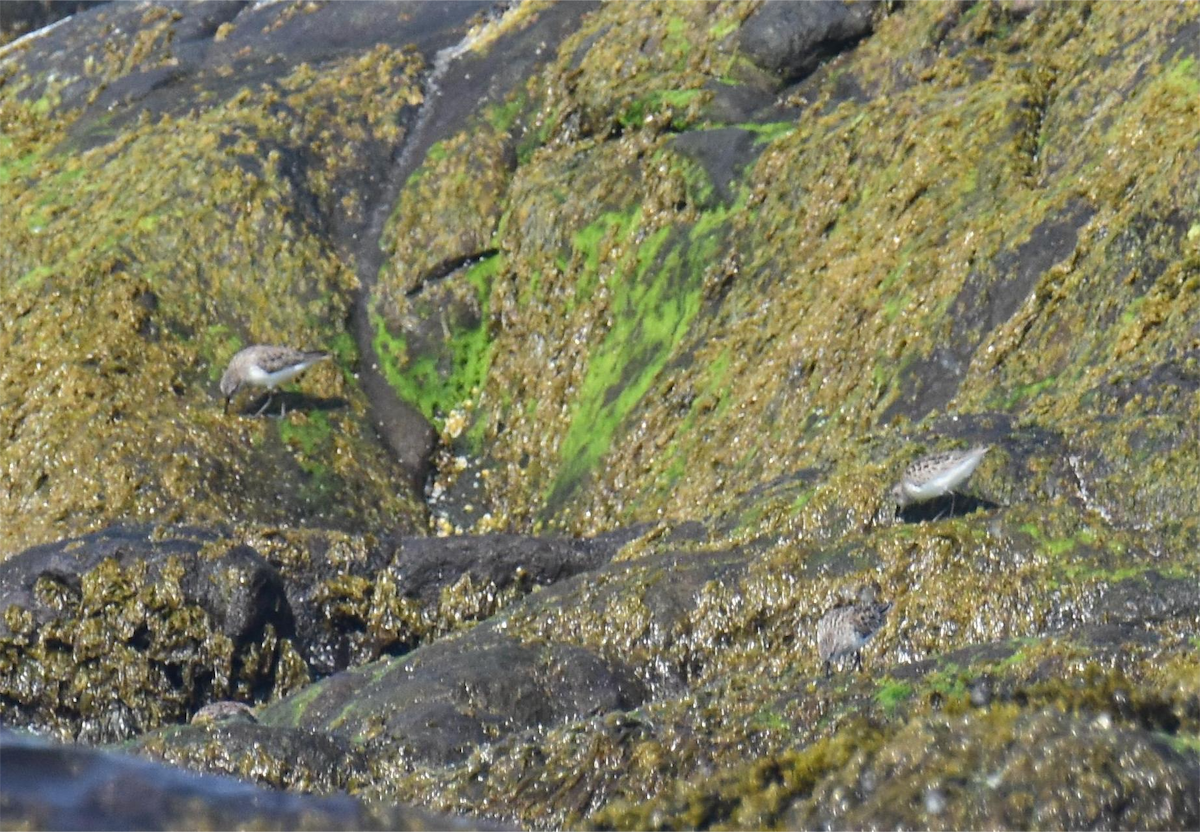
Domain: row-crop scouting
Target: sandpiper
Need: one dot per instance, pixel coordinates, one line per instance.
(936, 474)
(847, 627)
(225, 710)
(262, 365)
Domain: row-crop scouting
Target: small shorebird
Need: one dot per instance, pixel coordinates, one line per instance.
(265, 366)
(847, 627)
(225, 710)
(936, 474)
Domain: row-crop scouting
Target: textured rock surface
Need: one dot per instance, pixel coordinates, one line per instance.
(115, 633)
(60, 787)
(791, 39)
(681, 287)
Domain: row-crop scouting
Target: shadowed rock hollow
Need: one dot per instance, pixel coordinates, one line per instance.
(646, 306)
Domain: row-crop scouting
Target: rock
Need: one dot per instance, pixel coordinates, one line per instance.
(392, 597)
(66, 787)
(153, 626)
(24, 16)
(1019, 789)
(723, 153)
(679, 297)
(791, 39)
(445, 700)
(163, 621)
(1150, 598)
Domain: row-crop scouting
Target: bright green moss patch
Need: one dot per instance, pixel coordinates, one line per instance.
(655, 291)
(677, 101)
(1185, 76)
(1055, 548)
(503, 116)
(769, 132)
(310, 435)
(437, 383)
(891, 694)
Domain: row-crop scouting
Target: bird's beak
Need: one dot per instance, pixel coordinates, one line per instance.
(227, 398)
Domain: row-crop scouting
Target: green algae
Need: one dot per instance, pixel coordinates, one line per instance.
(892, 694)
(665, 102)
(902, 180)
(437, 382)
(860, 227)
(502, 117)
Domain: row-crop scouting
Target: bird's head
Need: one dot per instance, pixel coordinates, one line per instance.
(899, 496)
(868, 592)
(229, 386)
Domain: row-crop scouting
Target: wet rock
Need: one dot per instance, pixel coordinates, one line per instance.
(24, 16)
(444, 700)
(428, 260)
(65, 787)
(1149, 598)
(353, 602)
(959, 232)
(791, 39)
(427, 565)
(989, 297)
(189, 616)
(272, 756)
(240, 590)
(723, 153)
(737, 103)
(153, 627)
(1081, 775)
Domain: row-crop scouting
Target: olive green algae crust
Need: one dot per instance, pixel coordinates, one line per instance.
(137, 268)
(979, 220)
(120, 633)
(1082, 632)
(128, 651)
(944, 772)
(988, 232)
(984, 229)
(744, 651)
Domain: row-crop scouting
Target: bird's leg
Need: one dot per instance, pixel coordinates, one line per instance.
(266, 404)
(828, 669)
(858, 660)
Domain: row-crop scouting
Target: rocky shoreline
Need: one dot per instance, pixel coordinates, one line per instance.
(637, 312)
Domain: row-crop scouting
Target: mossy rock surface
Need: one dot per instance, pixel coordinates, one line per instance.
(650, 309)
(107, 636)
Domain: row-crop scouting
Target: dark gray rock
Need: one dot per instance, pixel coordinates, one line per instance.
(1150, 598)
(791, 39)
(421, 569)
(723, 153)
(240, 590)
(65, 787)
(175, 590)
(20, 17)
(442, 701)
(990, 296)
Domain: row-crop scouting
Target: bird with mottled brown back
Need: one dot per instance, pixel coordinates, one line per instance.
(937, 474)
(266, 366)
(847, 627)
